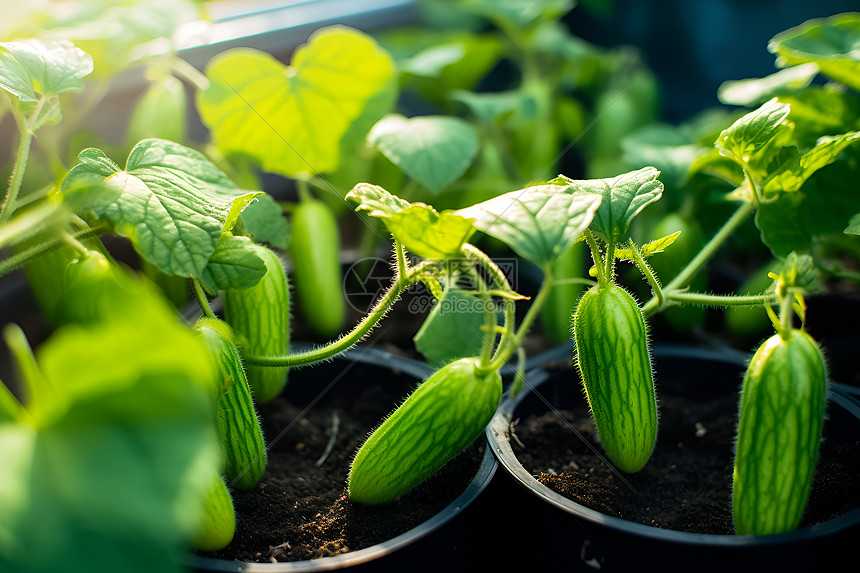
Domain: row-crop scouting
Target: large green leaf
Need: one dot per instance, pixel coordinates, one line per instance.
(111, 474)
(832, 43)
(753, 132)
(539, 222)
(754, 92)
(623, 196)
(419, 227)
(174, 203)
(293, 118)
(796, 171)
(32, 69)
(433, 150)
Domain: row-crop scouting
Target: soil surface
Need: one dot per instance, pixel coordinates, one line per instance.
(687, 484)
(299, 510)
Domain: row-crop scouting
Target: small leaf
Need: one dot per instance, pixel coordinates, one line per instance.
(832, 43)
(754, 92)
(853, 227)
(452, 329)
(753, 131)
(489, 106)
(650, 248)
(174, 204)
(233, 265)
(623, 196)
(375, 200)
(293, 118)
(430, 62)
(32, 69)
(538, 223)
(433, 150)
(792, 175)
(264, 222)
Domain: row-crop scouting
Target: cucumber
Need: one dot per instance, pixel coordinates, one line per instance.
(260, 318)
(440, 418)
(315, 252)
(238, 424)
(779, 431)
(614, 363)
(219, 519)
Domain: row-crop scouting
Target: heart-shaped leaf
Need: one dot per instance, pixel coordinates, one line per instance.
(233, 265)
(419, 227)
(538, 223)
(174, 204)
(32, 69)
(293, 118)
(752, 132)
(433, 150)
(623, 196)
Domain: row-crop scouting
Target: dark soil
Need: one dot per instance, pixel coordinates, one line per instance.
(300, 511)
(686, 486)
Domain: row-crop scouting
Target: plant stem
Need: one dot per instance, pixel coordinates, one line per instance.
(304, 190)
(722, 300)
(402, 269)
(347, 341)
(202, 299)
(189, 73)
(520, 376)
(786, 310)
(24, 143)
(35, 385)
(708, 251)
(595, 255)
(647, 272)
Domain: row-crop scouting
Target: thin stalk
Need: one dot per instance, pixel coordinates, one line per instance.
(18, 260)
(402, 269)
(347, 341)
(722, 300)
(708, 251)
(189, 73)
(304, 190)
(786, 310)
(609, 274)
(647, 272)
(24, 144)
(520, 376)
(202, 299)
(36, 387)
(595, 255)
(489, 334)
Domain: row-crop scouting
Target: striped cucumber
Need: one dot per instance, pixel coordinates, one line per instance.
(615, 365)
(781, 418)
(241, 436)
(218, 526)
(443, 416)
(260, 317)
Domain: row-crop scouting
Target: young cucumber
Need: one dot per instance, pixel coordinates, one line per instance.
(615, 365)
(781, 418)
(219, 519)
(315, 252)
(241, 436)
(443, 416)
(260, 317)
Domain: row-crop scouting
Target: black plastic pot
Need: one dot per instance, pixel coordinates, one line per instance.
(441, 542)
(571, 536)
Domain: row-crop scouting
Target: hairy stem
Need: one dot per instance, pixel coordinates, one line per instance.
(24, 143)
(722, 300)
(202, 299)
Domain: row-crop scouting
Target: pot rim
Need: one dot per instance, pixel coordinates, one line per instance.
(486, 470)
(497, 435)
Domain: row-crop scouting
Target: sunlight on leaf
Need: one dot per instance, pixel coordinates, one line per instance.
(752, 132)
(792, 175)
(30, 69)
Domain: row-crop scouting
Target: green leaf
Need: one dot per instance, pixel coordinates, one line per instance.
(538, 223)
(623, 196)
(753, 132)
(432, 150)
(452, 329)
(420, 228)
(666, 148)
(11, 409)
(489, 106)
(293, 118)
(792, 175)
(832, 43)
(174, 203)
(233, 265)
(519, 13)
(649, 248)
(756, 91)
(34, 69)
(264, 222)
(853, 227)
(821, 207)
(431, 61)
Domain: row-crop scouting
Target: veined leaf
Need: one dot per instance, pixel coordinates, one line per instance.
(756, 91)
(419, 227)
(32, 69)
(264, 221)
(623, 196)
(832, 43)
(233, 265)
(649, 248)
(538, 223)
(432, 150)
(174, 204)
(293, 118)
(792, 175)
(753, 131)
